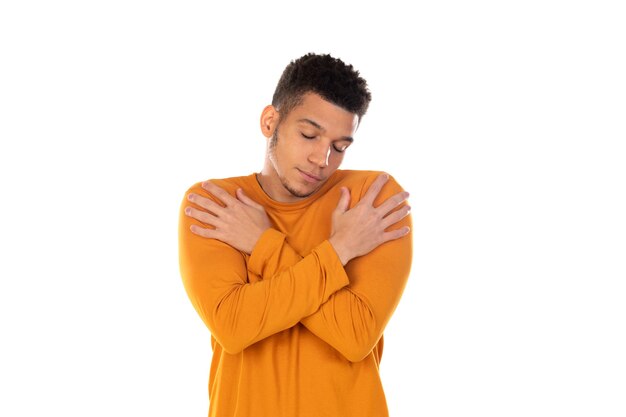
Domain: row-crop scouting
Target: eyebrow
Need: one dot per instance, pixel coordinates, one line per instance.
(317, 125)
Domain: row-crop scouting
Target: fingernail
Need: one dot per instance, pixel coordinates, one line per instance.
(190, 197)
(187, 210)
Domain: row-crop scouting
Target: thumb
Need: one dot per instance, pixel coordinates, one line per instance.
(241, 196)
(344, 201)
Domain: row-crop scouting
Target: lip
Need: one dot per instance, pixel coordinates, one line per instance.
(310, 177)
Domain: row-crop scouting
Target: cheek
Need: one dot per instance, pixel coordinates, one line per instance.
(335, 159)
(300, 151)
(289, 154)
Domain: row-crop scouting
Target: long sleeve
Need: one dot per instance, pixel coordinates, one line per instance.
(239, 313)
(353, 318)
(272, 254)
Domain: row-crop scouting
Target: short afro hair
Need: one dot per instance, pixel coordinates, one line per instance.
(326, 76)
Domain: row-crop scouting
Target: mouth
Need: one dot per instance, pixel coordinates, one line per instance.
(310, 177)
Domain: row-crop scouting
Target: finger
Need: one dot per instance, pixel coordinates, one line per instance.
(396, 234)
(219, 192)
(374, 189)
(205, 203)
(344, 200)
(204, 232)
(396, 216)
(393, 202)
(202, 216)
(241, 196)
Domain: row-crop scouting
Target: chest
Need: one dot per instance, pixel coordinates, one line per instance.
(305, 228)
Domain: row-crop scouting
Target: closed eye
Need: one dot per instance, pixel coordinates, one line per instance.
(335, 147)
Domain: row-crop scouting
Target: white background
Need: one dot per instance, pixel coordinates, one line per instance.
(505, 121)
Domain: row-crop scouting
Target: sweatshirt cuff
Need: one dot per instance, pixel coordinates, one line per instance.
(270, 241)
(336, 276)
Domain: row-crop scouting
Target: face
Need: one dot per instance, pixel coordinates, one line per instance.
(305, 147)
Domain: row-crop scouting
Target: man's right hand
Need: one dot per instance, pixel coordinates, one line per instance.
(361, 229)
(239, 223)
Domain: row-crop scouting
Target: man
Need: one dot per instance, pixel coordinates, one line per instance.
(296, 270)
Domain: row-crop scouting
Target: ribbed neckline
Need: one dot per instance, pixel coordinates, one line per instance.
(265, 200)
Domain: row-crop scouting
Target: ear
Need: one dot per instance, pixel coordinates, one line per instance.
(269, 120)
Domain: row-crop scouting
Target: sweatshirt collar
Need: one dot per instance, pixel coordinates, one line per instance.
(265, 200)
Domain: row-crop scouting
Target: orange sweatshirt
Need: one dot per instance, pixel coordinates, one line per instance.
(294, 333)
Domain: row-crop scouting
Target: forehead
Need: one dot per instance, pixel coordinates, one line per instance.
(328, 116)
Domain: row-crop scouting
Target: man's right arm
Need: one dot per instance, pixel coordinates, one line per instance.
(239, 313)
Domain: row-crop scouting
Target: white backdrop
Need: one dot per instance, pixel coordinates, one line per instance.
(505, 121)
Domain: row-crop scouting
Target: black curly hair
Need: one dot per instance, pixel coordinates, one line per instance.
(329, 77)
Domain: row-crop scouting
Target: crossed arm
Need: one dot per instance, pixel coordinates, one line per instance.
(353, 318)
(348, 307)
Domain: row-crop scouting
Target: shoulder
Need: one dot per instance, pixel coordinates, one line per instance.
(230, 185)
(359, 181)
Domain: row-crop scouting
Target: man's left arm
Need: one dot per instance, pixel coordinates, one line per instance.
(353, 318)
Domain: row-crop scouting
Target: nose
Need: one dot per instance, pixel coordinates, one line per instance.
(319, 155)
